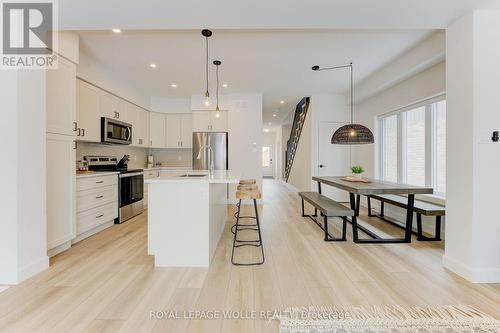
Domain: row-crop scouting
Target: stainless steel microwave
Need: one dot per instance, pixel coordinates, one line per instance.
(115, 131)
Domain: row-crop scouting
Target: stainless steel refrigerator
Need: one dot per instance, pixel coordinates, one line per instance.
(217, 141)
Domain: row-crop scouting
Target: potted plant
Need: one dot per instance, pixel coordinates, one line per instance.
(357, 171)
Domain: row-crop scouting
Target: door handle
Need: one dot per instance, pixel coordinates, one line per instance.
(322, 166)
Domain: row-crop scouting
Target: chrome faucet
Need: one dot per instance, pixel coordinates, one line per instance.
(210, 156)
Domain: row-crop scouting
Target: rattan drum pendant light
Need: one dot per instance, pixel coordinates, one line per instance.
(352, 134)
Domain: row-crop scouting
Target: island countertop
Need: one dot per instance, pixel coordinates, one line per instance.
(200, 177)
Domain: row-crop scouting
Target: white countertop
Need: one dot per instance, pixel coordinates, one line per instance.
(219, 176)
(96, 174)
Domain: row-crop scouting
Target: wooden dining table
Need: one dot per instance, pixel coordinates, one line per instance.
(371, 187)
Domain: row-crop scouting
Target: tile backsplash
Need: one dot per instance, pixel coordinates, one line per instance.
(138, 156)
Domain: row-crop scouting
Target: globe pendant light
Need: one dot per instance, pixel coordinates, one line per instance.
(352, 134)
(217, 63)
(206, 33)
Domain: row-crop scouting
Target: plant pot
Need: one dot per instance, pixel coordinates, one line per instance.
(357, 176)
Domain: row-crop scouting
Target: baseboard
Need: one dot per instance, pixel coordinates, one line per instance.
(33, 268)
(93, 231)
(58, 249)
(290, 186)
(490, 275)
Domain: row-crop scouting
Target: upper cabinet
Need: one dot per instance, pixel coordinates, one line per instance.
(209, 121)
(88, 104)
(61, 95)
(156, 130)
(140, 126)
(179, 130)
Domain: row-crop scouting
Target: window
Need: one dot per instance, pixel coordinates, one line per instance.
(413, 145)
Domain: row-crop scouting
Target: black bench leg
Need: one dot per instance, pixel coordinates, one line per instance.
(327, 238)
(358, 200)
(381, 208)
(420, 234)
(438, 228)
(303, 212)
(354, 219)
(369, 206)
(344, 228)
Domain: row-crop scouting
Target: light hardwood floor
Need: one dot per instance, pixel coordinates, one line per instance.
(107, 283)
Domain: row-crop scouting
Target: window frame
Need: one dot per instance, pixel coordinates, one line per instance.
(430, 141)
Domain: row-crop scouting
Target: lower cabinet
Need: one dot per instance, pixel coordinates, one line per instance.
(61, 192)
(97, 204)
(148, 174)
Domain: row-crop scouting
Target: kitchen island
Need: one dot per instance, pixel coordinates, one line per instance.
(186, 216)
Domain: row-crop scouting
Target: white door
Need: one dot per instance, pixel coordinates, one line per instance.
(61, 187)
(173, 130)
(267, 161)
(61, 98)
(333, 160)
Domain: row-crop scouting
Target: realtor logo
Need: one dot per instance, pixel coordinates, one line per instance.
(28, 34)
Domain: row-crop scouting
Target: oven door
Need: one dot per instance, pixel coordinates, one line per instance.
(114, 131)
(131, 188)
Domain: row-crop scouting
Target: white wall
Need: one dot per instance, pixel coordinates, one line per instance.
(91, 70)
(472, 247)
(322, 107)
(23, 231)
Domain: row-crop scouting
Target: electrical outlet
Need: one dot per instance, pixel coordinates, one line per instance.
(179, 158)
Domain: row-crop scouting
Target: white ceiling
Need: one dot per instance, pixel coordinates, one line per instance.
(276, 63)
(264, 14)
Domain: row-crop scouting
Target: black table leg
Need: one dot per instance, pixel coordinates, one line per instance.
(409, 217)
(358, 200)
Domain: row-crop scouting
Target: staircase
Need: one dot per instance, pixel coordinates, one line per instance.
(293, 142)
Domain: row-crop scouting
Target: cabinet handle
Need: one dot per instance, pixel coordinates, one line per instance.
(75, 144)
(100, 197)
(99, 216)
(140, 141)
(151, 142)
(75, 126)
(79, 132)
(83, 131)
(100, 182)
(181, 143)
(118, 113)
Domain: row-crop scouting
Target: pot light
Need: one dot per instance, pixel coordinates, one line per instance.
(282, 102)
(274, 115)
(225, 85)
(116, 30)
(173, 85)
(269, 123)
(266, 130)
(153, 65)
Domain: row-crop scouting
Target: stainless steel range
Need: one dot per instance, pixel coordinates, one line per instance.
(130, 184)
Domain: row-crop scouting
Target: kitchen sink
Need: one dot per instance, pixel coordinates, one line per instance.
(193, 175)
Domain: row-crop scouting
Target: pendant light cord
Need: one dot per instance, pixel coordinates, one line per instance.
(352, 96)
(206, 63)
(217, 89)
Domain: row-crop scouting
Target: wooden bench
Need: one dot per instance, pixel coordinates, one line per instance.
(328, 208)
(420, 208)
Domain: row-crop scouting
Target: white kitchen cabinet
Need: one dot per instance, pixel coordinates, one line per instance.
(61, 98)
(97, 204)
(88, 102)
(156, 130)
(148, 174)
(187, 131)
(179, 130)
(140, 125)
(61, 192)
(173, 123)
(218, 121)
(209, 121)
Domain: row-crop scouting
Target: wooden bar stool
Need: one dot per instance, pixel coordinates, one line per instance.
(247, 190)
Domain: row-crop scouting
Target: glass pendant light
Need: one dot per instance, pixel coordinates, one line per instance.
(206, 33)
(352, 134)
(217, 63)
